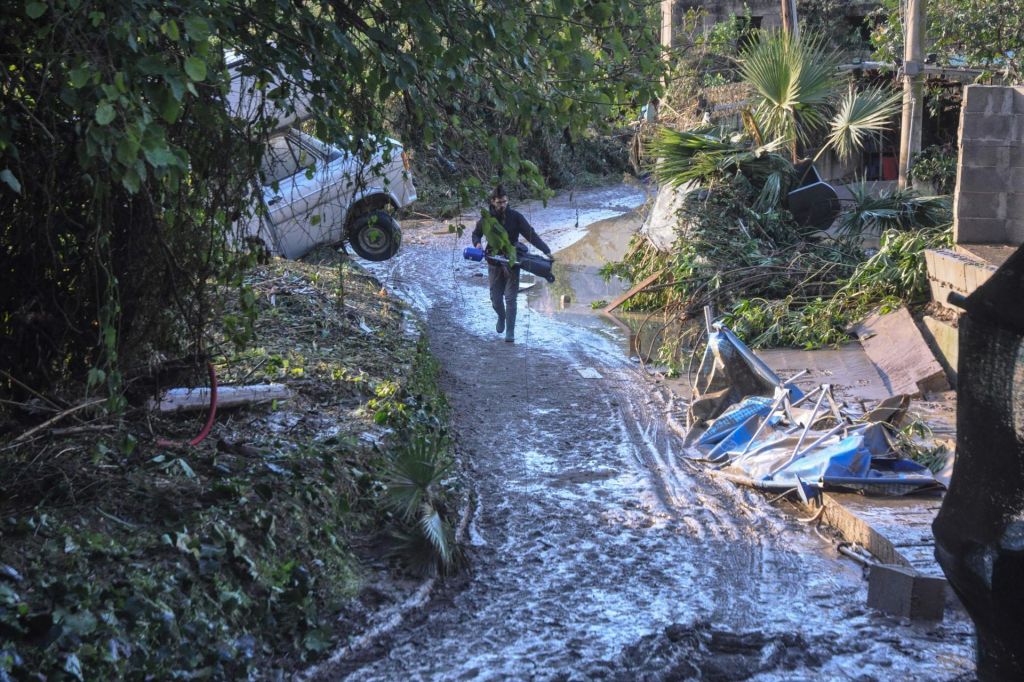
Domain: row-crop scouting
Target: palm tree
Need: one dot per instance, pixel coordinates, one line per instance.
(794, 79)
(798, 96)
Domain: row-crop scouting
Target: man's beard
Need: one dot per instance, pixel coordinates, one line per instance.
(498, 213)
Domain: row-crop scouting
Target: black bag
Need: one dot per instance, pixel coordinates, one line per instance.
(537, 265)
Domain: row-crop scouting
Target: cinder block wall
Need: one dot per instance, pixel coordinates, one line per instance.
(989, 202)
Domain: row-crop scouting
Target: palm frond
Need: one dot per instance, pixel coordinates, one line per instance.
(794, 79)
(770, 193)
(707, 155)
(892, 210)
(859, 113)
(411, 476)
(437, 532)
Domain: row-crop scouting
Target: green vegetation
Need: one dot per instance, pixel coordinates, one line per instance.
(738, 247)
(123, 172)
(121, 557)
(976, 33)
(800, 96)
(894, 276)
(935, 165)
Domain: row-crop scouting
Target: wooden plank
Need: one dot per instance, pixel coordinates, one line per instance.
(633, 292)
(895, 345)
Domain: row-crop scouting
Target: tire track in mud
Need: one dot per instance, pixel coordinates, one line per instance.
(744, 533)
(595, 548)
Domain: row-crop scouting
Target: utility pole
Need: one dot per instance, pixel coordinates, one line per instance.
(913, 89)
(666, 23)
(666, 52)
(790, 25)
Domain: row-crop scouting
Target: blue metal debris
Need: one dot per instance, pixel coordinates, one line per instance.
(777, 443)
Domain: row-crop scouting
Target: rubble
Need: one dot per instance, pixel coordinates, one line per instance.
(895, 345)
(769, 434)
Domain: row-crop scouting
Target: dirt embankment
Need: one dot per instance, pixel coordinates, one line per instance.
(255, 550)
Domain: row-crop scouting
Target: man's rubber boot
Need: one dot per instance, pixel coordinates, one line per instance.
(500, 326)
(510, 333)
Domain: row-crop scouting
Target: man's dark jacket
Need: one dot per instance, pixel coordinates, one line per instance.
(515, 226)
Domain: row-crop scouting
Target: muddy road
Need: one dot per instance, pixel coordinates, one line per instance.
(596, 549)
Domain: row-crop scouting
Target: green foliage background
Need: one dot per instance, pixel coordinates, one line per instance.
(123, 173)
(986, 34)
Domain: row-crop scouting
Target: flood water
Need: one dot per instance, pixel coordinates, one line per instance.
(596, 550)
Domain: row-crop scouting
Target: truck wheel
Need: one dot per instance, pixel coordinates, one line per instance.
(375, 236)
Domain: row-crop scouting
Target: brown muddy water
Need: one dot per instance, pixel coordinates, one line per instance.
(596, 549)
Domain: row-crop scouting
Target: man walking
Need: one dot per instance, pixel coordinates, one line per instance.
(503, 227)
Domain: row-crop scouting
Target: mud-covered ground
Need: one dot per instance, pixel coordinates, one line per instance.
(596, 550)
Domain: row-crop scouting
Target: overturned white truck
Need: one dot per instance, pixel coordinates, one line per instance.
(315, 193)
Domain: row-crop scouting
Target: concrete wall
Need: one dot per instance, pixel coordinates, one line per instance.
(989, 202)
(769, 11)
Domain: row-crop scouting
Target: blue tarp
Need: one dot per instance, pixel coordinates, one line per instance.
(781, 454)
(734, 417)
(861, 460)
(848, 457)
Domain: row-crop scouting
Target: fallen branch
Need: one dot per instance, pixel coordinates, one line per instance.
(56, 418)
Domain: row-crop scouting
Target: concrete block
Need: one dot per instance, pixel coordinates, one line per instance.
(1014, 232)
(1015, 206)
(988, 99)
(1015, 156)
(944, 340)
(973, 276)
(952, 271)
(983, 275)
(940, 293)
(979, 230)
(902, 591)
(985, 180)
(986, 155)
(993, 127)
(981, 204)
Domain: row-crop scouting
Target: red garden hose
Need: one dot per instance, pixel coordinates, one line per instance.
(211, 415)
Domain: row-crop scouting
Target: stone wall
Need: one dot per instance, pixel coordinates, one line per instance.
(989, 203)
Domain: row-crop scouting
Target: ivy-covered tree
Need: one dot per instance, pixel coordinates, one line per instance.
(122, 170)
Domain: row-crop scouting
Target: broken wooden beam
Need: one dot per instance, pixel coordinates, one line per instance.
(181, 399)
(633, 292)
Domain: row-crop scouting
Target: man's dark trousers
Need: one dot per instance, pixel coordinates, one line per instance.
(504, 282)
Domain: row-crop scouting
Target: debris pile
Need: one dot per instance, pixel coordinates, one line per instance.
(757, 430)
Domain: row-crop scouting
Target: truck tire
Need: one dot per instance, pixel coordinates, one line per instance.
(375, 236)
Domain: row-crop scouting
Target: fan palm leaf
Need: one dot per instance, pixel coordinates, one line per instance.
(794, 79)
(859, 113)
(706, 155)
(437, 532)
(896, 210)
(412, 476)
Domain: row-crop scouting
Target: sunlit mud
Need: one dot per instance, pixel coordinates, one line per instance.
(596, 550)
